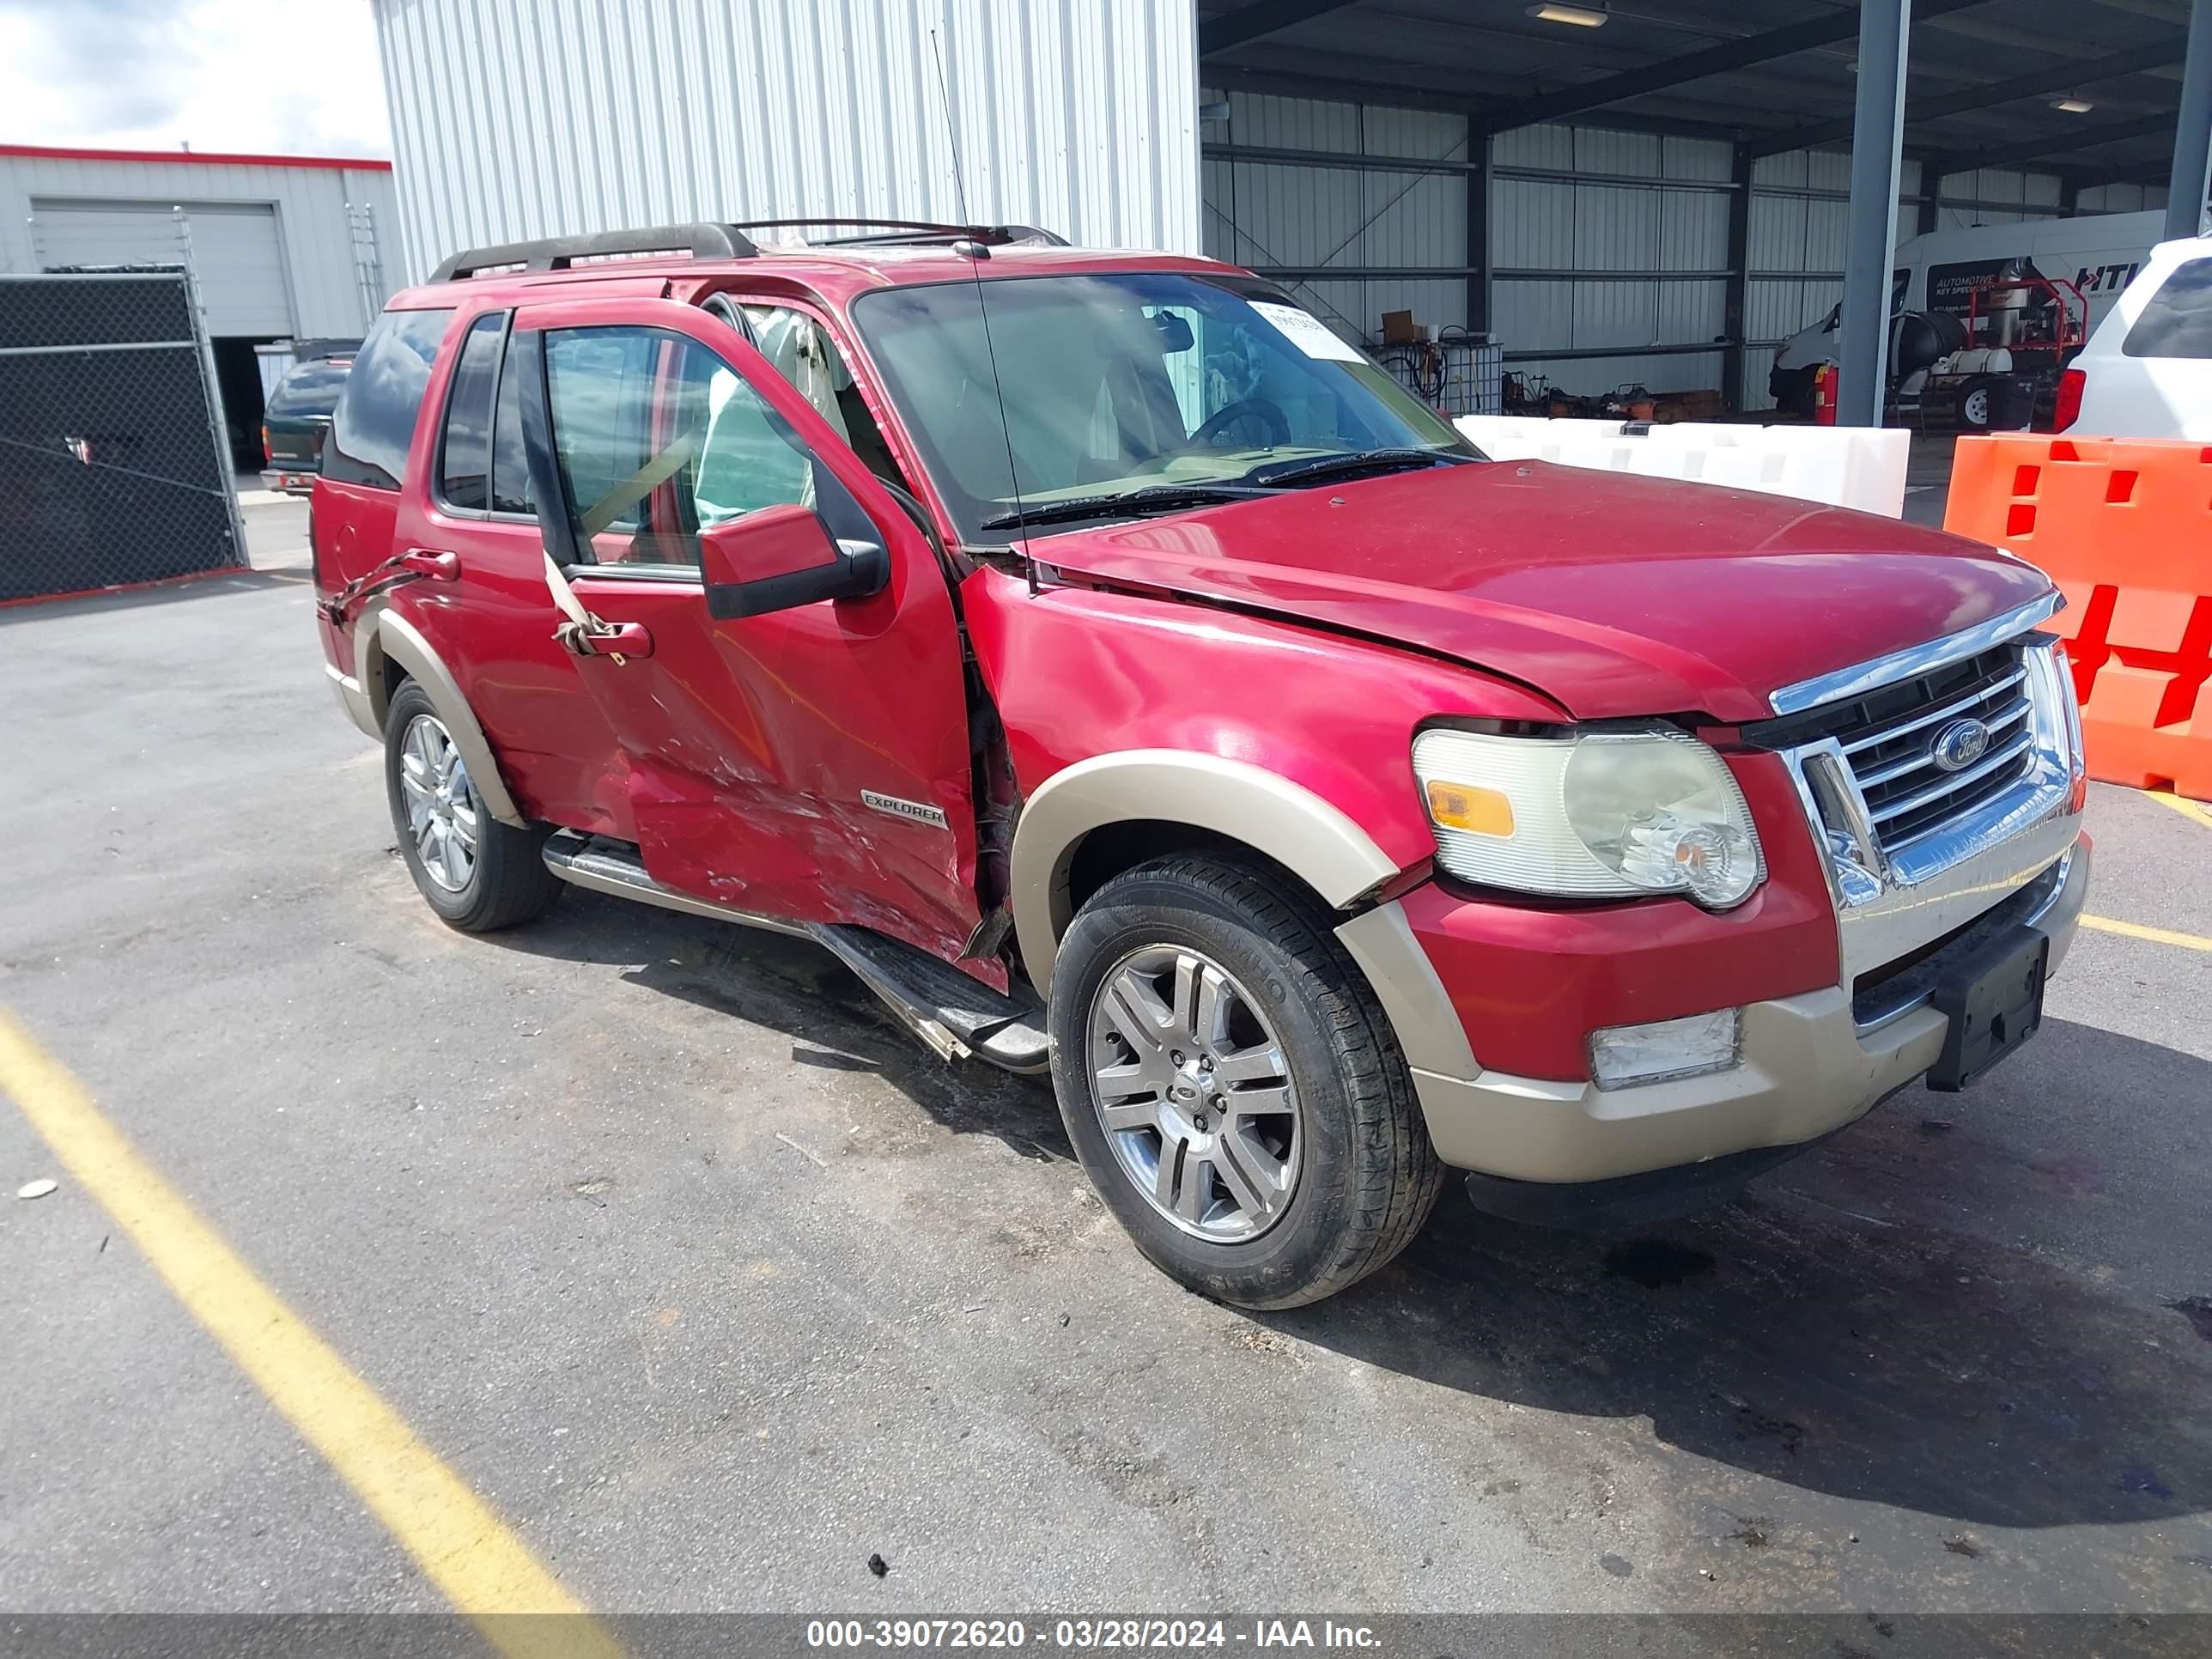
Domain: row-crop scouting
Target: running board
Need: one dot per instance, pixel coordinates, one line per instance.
(953, 1014)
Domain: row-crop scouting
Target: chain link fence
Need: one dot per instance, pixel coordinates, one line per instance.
(112, 469)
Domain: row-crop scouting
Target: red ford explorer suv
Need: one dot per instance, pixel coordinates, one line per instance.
(1126, 678)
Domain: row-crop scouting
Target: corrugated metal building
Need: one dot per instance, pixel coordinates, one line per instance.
(1600, 251)
(1607, 258)
(280, 247)
(512, 121)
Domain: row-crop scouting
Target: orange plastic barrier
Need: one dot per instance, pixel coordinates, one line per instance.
(2124, 527)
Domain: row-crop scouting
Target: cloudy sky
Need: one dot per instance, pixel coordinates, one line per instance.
(277, 75)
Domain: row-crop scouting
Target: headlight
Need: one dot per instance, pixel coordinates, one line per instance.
(1599, 815)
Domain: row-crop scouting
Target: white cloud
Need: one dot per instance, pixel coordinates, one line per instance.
(297, 78)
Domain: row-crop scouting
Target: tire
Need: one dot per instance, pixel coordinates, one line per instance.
(503, 879)
(1358, 1174)
(1977, 403)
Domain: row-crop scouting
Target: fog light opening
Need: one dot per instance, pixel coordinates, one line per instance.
(1624, 1056)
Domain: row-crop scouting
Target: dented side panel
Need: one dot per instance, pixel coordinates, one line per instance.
(1078, 673)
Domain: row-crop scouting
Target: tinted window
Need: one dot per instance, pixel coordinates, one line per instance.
(375, 417)
(510, 461)
(311, 388)
(465, 453)
(657, 438)
(2178, 321)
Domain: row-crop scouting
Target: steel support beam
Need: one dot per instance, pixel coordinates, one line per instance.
(1734, 305)
(2064, 77)
(1877, 154)
(2192, 137)
(1479, 257)
(1251, 22)
(1725, 58)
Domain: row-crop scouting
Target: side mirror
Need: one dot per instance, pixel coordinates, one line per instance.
(780, 557)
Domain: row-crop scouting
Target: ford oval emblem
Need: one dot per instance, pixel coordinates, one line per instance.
(1959, 744)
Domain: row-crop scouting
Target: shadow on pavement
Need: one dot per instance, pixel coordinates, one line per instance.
(795, 987)
(1895, 1362)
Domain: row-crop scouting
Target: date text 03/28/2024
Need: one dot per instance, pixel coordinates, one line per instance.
(1111, 1634)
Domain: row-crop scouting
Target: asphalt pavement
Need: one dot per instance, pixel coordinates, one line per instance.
(713, 1283)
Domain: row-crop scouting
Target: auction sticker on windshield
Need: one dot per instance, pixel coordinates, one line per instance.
(1307, 332)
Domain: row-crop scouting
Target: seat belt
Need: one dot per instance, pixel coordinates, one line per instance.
(582, 629)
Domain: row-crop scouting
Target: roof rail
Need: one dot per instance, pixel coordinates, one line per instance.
(889, 232)
(701, 241)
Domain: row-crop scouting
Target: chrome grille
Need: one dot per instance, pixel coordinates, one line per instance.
(1891, 814)
(1891, 750)
(1914, 853)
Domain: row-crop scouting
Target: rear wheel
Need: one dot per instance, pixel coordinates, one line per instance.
(1234, 1092)
(478, 873)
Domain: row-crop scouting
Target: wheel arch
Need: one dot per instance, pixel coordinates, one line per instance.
(384, 639)
(1147, 792)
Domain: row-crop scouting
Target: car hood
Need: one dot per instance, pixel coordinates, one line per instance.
(1614, 595)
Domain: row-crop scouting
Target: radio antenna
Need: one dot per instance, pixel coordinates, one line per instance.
(974, 253)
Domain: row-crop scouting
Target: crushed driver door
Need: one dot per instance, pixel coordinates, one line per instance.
(812, 764)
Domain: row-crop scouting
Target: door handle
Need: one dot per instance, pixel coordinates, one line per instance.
(438, 565)
(616, 640)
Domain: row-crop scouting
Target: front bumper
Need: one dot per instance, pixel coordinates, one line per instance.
(1812, 1064)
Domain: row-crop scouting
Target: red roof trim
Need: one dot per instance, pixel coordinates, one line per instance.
(211, 158)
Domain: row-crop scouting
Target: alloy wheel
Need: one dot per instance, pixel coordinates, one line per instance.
(443, 813)
(1194, 1094)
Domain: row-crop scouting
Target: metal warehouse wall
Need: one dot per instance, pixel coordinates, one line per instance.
(328, 277)
(1295, 222)
(1586, 267)
(574, 115)
(1800, 214)
(1609, 250)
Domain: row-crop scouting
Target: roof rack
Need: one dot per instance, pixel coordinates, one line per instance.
(706, 240)
(701, 241)
(888, 233)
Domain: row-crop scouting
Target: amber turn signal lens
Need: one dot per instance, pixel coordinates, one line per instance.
(1464, 807)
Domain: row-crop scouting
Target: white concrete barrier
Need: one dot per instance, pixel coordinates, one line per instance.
(1843, 466)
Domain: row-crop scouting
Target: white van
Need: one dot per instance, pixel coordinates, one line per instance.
(2147, 372)
(2099, 254)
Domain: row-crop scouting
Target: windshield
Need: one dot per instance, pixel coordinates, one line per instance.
(1159, 381)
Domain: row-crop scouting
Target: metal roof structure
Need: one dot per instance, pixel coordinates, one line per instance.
(1985, 77)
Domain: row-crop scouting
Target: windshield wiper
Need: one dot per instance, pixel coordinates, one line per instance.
(1155, 498)
(1338, 466)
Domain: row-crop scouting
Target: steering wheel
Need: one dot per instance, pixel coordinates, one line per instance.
(1267, 413)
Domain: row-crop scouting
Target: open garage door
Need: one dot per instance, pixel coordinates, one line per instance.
(237, 258)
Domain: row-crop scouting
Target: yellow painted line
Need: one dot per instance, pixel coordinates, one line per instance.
(2155, 935)
(486, 1571)
(2188, 809)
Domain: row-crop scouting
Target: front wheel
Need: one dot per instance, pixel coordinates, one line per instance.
(1233, 1090)
(476, 872)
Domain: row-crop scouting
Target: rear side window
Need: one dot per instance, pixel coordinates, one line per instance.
(375, 417)
(2178, 321)
(311, 388)
(465, 450)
